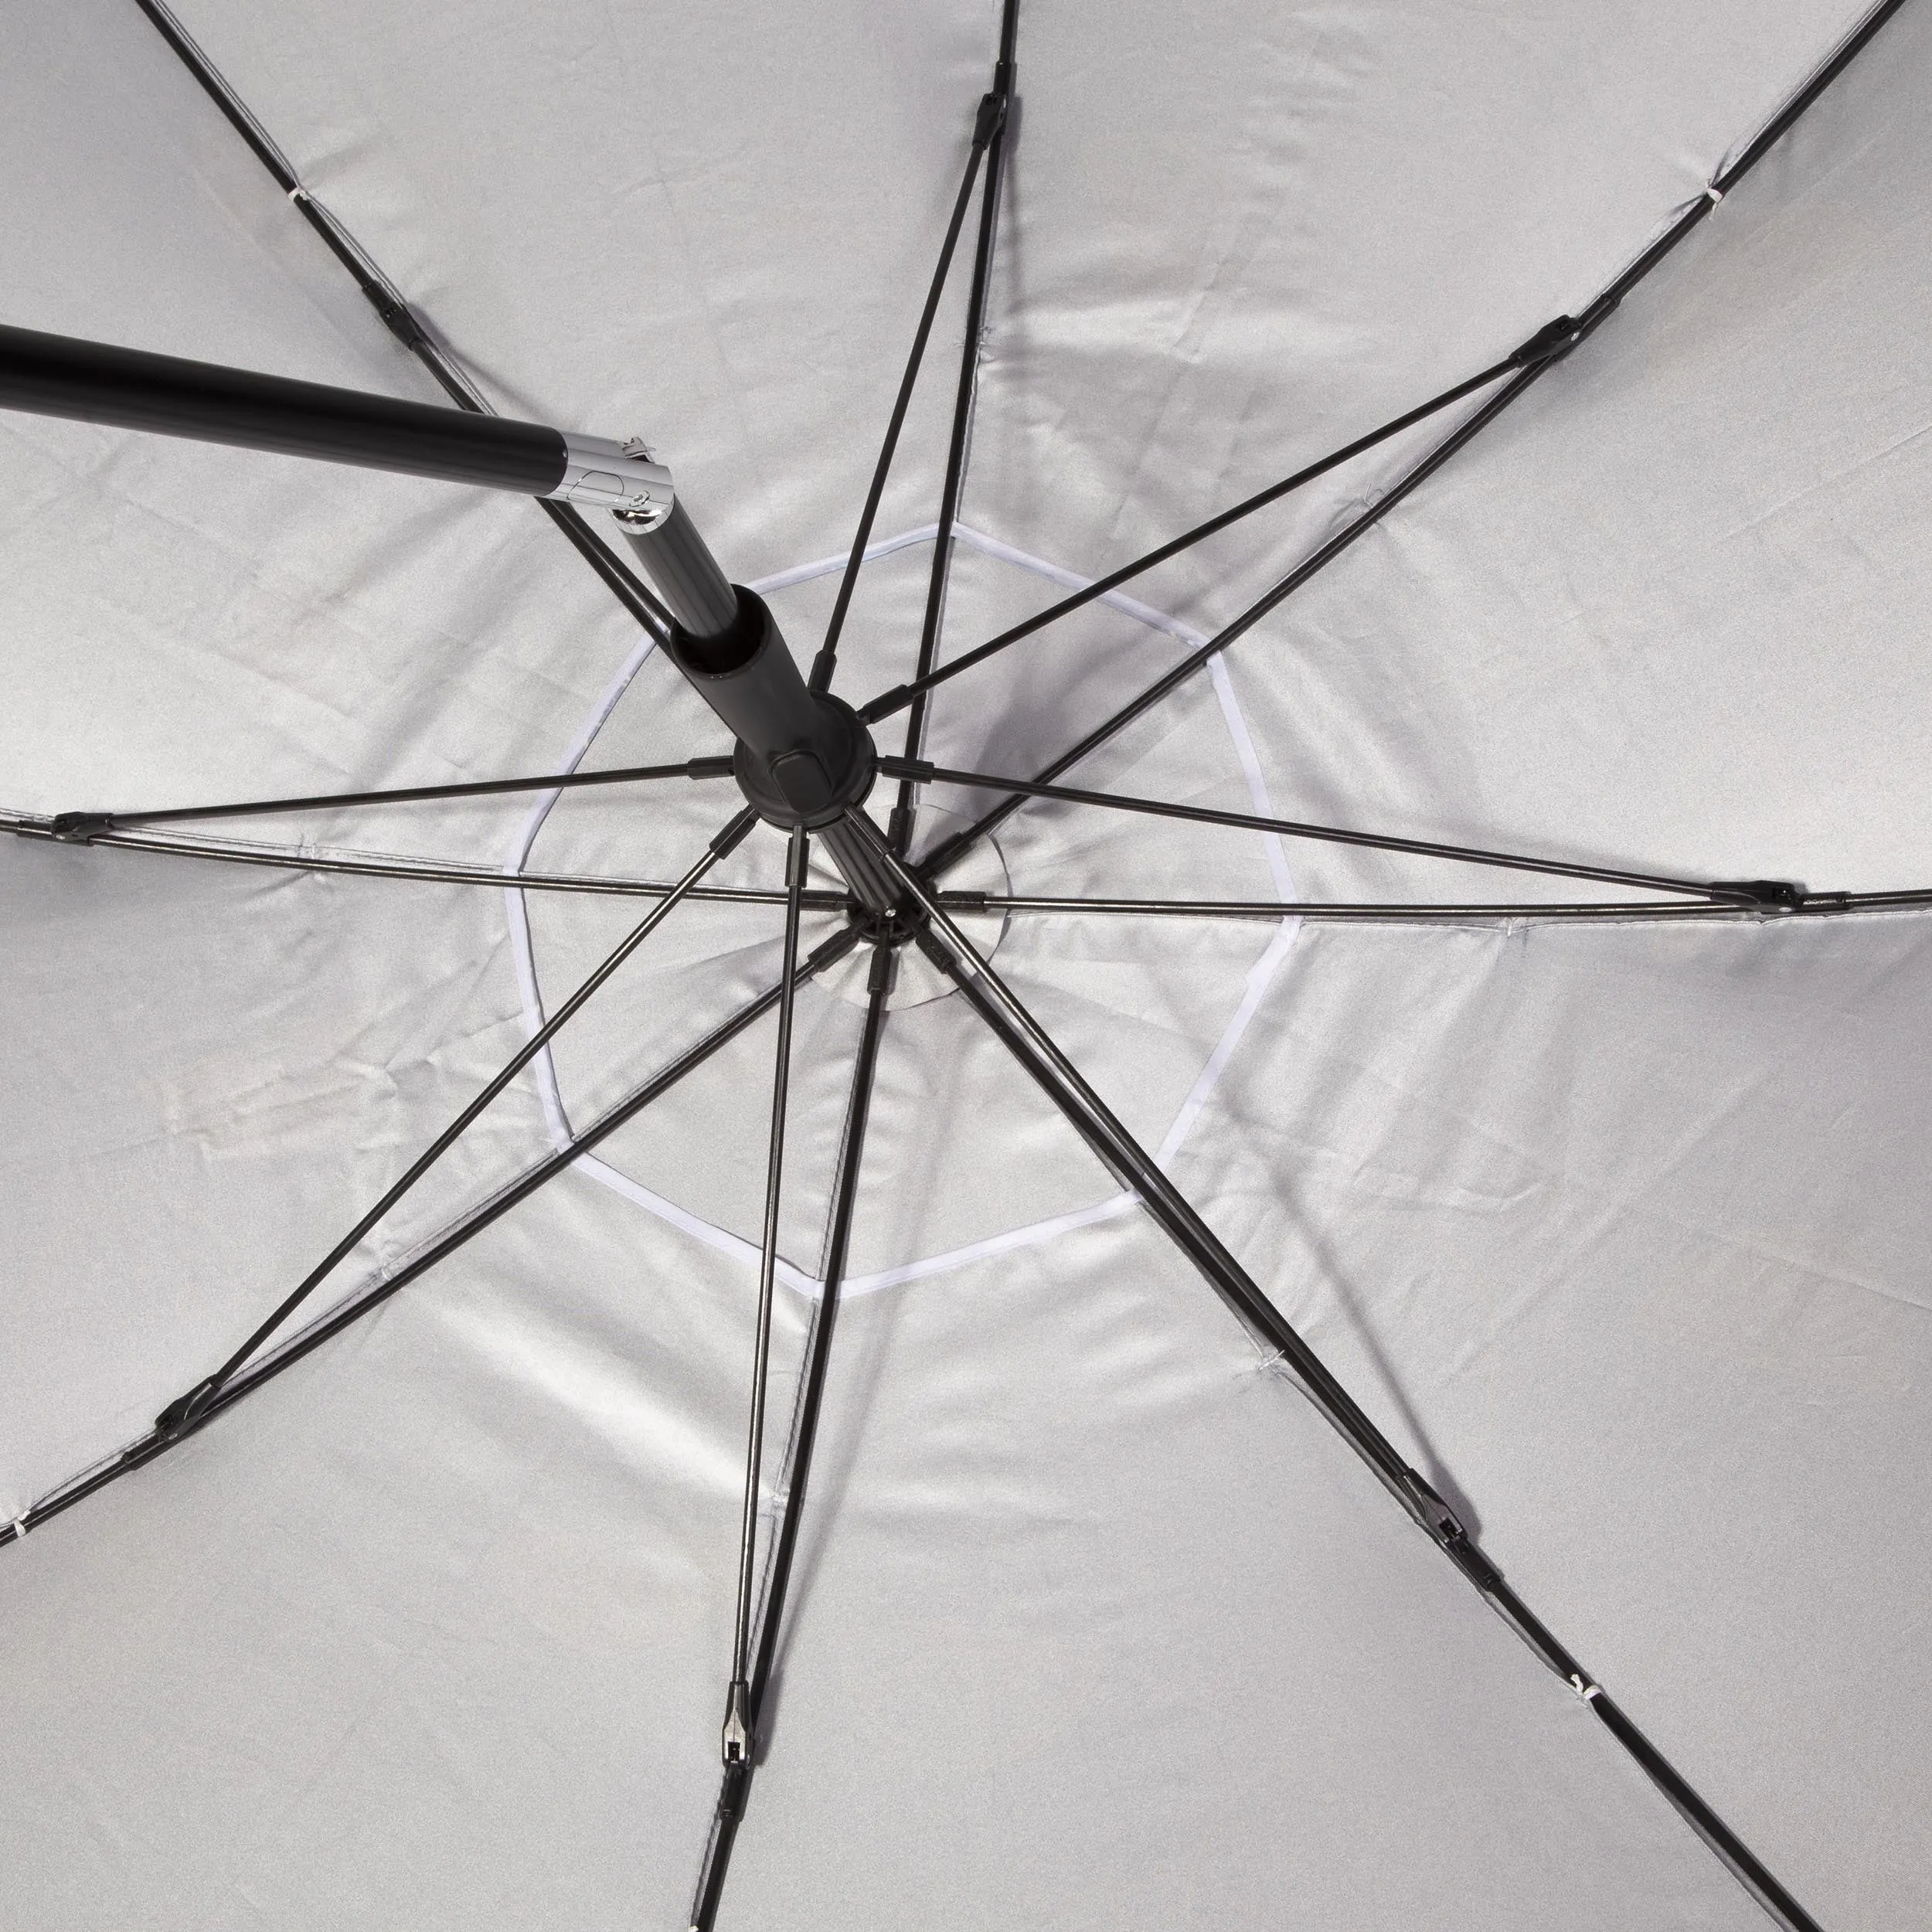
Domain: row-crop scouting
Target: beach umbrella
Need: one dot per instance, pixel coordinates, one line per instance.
(1119, 1119)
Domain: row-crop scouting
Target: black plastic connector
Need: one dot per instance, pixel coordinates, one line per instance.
(886, 932)
(990, 118)
(1762, 895)
(398, 318)
(187, 1412)
(1446, 1528)
(1550, 343)
(740, 1738)
(81, 828)
(728, 841)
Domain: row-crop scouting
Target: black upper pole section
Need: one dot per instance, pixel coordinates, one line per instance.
(169, 395)
(684, 573)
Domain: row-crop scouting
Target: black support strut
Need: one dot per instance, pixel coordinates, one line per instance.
(826, 662)
(740, 1731)
(996, 1003)
(1740, 893)
(188, 1409)
(1538, 348)
(81, 828)
(735, 1792)
(995, 121)
(159, 1441)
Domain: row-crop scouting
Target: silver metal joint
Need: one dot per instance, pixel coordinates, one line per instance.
(737, 1724)
(617, 477)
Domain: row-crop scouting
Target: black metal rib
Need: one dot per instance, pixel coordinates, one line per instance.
(1761, 144)
(826, 955)
(736, 1789)
(1030, 1045)
(740, 1731)
(995, 114)
(819, 899)
(84, 825)
(826, 661)
(839, 1250)
(945, 855)
(1271, 911)
(1328, 835)
(197, 1399)
(381, 295)
(396, 314)
(1812, 905)
(1905, 901)
(888, 702)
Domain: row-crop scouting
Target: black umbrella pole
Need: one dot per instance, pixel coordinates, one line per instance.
(804, 759)
(243, 409)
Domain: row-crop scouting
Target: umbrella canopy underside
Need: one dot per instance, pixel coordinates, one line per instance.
(1615, 1226)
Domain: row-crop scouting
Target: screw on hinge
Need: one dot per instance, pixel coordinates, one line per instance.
(398, 318)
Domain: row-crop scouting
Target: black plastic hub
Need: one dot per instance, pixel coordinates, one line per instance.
(813, 783)
(890, 930)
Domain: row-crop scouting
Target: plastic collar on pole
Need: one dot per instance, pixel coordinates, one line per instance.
(800, 759)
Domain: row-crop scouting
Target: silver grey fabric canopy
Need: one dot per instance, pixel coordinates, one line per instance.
(1613, 1223)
